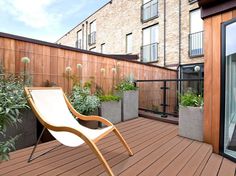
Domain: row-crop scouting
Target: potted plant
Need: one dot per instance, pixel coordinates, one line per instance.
(17, 124)
(85, 103)
(110, 108)
(191, 116)
(129, 99)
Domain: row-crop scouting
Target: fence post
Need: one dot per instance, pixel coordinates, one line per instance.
(164, 115)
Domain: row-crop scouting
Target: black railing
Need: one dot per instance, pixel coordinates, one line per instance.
(79, 43)
(149, 10)
(196, 44)
(92, 38)
(162, 96)
(149, 53)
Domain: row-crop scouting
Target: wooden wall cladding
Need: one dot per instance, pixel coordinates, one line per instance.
(50, 62)
(212, 69)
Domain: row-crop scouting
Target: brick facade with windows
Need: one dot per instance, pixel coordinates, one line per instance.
(167, 46)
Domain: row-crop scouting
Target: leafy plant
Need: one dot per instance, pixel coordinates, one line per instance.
(12, 100)
(191, 99)
(83, 101)
(125, 86)
(105, 98)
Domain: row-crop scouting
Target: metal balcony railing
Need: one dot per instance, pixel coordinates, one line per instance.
(92, 38)
(149, 10)
(196, 44)
(149, 53)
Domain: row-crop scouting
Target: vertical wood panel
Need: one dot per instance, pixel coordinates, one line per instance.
(207, 79)
(216, 63)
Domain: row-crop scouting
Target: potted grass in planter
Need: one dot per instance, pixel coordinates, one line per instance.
(129, 99)
(110, 108)
(85, 103)
(191, 116)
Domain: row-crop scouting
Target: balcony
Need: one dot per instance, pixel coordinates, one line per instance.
(196, 44)
(149, 10)
(92, 38)
(149, 53)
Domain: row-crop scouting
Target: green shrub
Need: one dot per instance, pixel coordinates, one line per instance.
(126, 86)
(105, 98)
(12, 101)
(83, 101)
(191, 99)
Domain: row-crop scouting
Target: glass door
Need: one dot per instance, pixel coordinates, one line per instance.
(228, 130)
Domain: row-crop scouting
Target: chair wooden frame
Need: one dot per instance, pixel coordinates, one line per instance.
(89, 142)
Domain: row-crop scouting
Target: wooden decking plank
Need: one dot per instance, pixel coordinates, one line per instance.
(160, 164)
(157, 151)
(202, 165)
(212, 166)
(114, 160)
(178, 163)
(73, 168)
(227, 168)
(12, 163)
(160, 144)
(148, 160)
(74, 153)
(191, 167)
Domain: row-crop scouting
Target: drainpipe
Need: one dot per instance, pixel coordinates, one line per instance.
(164, 33)
(180, 34)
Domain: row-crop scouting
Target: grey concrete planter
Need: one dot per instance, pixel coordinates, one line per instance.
(130, 105)
(191, 122)
(111, 111)
(27, 129)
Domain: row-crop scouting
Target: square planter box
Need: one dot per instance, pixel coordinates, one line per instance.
(111, 111)
(130, 105)
(191, 122)
(27, 130)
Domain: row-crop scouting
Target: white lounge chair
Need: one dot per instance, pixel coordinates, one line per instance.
(56, 114)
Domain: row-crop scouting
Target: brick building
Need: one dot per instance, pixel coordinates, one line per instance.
(168, 33)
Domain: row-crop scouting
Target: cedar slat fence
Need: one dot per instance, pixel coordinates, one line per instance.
(49, 61)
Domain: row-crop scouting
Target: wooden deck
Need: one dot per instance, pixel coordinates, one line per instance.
(158, 150)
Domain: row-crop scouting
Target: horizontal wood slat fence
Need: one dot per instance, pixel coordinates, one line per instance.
(49, 62)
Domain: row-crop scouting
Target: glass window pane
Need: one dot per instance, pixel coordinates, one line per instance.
(129, 43)
(196, 23)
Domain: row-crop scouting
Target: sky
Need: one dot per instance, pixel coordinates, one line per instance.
(46, 20)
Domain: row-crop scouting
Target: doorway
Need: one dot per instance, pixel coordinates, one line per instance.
(228, 90)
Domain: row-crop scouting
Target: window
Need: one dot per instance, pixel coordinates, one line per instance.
(103, 49)
(196, 34)
(129, 43)
(79, 39)
(150, 44)
(149, 9)
(92, 34)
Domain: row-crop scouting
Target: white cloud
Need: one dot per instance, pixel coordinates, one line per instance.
(33, 13)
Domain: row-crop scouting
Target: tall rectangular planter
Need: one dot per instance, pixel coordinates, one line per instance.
(191, 122)
(90, 124)
(27, 130)
(130, 105)
(111, 111)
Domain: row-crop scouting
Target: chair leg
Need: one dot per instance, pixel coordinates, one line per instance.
(123, 141)
(101, 158)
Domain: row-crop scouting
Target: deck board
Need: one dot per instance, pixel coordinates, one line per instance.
(158, 150)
